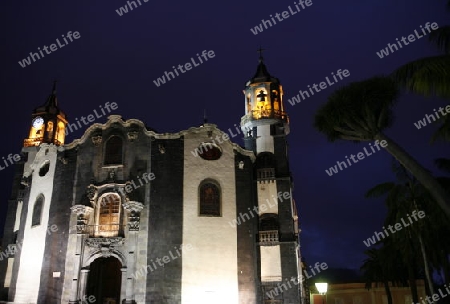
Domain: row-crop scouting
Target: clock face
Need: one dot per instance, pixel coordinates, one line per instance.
(37, 122)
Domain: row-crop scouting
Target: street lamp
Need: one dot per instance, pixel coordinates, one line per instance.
(322, 289)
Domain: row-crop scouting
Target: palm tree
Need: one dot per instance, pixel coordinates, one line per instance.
(361, 111)
(382, 266)
(373, 271)
(400, 201)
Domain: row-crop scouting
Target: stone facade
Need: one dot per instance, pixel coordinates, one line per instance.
(127, 215)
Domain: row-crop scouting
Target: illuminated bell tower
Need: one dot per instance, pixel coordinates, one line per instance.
(48, 123)
(265, 126)
(33, 210)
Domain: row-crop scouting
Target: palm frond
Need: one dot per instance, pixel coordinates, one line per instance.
(443, 164)
(443, 132)
(359, 110)
(426, 76)
(441, 37)
(380, 189)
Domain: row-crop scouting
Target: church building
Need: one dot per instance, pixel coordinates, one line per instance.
(128, 215)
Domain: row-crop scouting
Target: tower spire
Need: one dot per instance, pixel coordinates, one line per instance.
(260, 51)
(54, 87)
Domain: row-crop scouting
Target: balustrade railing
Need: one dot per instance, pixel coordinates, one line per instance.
(111, 230)
(268, 237)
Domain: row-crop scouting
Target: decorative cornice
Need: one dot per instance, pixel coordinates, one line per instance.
(81, 209)
(133, 206)
(151, 134)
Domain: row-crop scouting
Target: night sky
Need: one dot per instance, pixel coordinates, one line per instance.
(116, 59)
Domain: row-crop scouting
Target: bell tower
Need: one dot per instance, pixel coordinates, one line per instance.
(48, 123)
(265, 126)
(34, 215)
(264, 110)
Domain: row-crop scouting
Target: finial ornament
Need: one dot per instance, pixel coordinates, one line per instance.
(54, 86)
(260, 51)
(205, 118)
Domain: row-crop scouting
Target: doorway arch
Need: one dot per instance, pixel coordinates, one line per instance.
(105, 280)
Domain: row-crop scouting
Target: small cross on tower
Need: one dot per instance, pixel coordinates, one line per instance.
(260, 51)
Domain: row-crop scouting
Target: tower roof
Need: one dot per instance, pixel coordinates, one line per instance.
(51, 105)
(262, 74)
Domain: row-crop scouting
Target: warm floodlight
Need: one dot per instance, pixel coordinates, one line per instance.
(322, 287)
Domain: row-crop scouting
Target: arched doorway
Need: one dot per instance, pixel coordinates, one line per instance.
(105, 280)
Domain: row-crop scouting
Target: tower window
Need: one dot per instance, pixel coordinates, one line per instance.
(44, 168)
(113, 151)
(37, 211)
(268, 222)
(50, 126)
(61, 132)
(261, 95)
(210, 201)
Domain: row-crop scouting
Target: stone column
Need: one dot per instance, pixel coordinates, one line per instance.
(82, 212)
(134, 211)
(83, 282)
(124, 284)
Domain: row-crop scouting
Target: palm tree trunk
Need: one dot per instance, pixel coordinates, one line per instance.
(388, 292)
(425, 265)
(445, 267)
(423, 176)
(412, 284)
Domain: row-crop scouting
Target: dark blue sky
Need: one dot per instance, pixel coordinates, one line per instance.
(117, 58)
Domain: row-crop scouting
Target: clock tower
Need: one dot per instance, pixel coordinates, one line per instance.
(48, 123)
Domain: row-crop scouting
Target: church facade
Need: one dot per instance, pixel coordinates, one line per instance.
(127, 215)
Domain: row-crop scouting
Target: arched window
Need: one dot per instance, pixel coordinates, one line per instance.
(37, 211)
(265, 166)
(60, 132)
(210, 200)
(50, 126)
(268, 222)
(113, 151)
(109, 215)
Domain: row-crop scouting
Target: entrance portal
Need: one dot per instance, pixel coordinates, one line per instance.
(104, 281)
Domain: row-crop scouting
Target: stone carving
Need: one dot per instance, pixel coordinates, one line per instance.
(241, 165)
(83, 213)
(25, 181)
(162, 149)
(133, 206)
(132, 135)
(107, 244)
(134, 217)
(64, 160)
(97, 140)
(112, 175)
(81, 229)
(134, 221)
(81, 209)
(91, 192)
